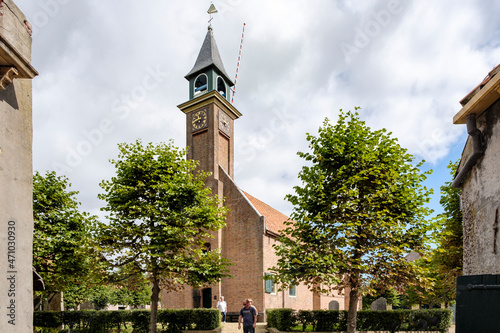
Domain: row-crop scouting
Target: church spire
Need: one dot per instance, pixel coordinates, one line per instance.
(209, 56)
(208, 72)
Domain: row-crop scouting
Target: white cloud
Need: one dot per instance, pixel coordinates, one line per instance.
(408, 66)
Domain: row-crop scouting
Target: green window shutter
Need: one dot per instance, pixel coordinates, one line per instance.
(269, 284)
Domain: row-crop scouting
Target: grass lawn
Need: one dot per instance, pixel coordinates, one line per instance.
(298, 328)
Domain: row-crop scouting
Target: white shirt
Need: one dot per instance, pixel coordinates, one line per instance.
(222, 306)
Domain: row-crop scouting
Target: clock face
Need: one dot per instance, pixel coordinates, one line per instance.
(224, 123)
(199, 120)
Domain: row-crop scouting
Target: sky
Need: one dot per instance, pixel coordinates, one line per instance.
(113, 71)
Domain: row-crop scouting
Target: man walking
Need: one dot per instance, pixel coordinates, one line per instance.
(222, 306)
(249, 317)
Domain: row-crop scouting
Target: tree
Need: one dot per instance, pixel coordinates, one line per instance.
(391, 296)
(63, 236)
(445, 262)
(359, 210)
(161, 216)
(132, 291)
(430, 289)
(449, 254)
(76, 294)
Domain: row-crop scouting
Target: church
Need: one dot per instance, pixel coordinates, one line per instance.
(252, 227)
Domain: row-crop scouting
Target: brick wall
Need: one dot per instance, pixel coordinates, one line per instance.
(303, 298)
(224, 152)
(242, 240)
(200, 149)
(177, 299)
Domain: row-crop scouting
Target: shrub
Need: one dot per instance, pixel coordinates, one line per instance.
(330, 320)
(281, 319)
(431, 320)
(47, 319)
(140, 320)
(380, 320)
(305, 318)
(208, 319)
(173, 321)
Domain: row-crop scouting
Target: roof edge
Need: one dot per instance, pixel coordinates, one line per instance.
(207, 98)
(209, 56)
(242, 193)
(483, 99)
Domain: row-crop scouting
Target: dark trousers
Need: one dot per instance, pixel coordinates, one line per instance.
(248, 329)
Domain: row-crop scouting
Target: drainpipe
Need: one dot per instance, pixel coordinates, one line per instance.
(477, 151)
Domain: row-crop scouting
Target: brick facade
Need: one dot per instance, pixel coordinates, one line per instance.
(250, 233)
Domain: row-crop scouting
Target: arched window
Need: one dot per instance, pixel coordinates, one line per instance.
(221, 86)
(201, 84)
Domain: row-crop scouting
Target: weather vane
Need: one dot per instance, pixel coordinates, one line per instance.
(211, 11)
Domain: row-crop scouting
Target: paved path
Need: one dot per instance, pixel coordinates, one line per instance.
(233, 328)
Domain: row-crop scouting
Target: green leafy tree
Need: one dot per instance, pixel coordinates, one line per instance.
(427, 291)
(449, 253)
(444, 263)
(77, 294)
(74, 295)
(392, 297)
(63, 236)
(359, 210)
(161, 215)
(133, 290)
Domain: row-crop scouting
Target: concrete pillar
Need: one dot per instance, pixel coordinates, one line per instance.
(16, 174)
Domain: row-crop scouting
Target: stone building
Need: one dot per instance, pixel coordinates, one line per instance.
(478, 176)
(16, 176)
(252, 226)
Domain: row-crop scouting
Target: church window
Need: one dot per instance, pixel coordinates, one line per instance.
(221, 86)
(201, 84)
(292, 292)
(270, 285)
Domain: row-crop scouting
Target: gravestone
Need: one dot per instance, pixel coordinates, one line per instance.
(333, 305)
(16, 174)
(379, 305)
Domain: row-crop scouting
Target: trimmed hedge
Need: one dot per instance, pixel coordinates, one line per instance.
(330, 321)
(172, 321)
(281, 319)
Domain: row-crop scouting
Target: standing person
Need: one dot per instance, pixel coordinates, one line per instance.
(222, 306)
(249, 317)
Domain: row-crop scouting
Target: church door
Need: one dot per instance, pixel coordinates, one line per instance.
(207, 298)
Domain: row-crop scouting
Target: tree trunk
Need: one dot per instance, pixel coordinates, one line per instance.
(352, 314)
(154, 305)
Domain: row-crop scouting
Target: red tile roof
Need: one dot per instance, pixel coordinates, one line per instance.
(474, 91)
(274, 219)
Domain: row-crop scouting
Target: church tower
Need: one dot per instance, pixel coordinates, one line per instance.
(210, 134)
(209, 114)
